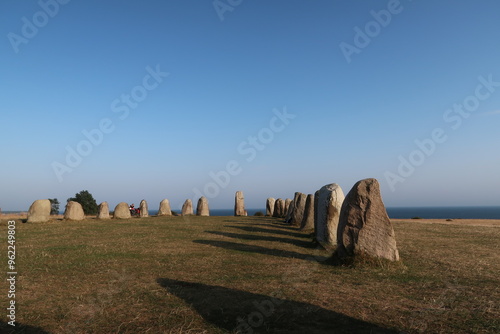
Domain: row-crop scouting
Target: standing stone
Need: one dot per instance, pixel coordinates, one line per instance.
(308, 218)
(316, 197)
(364, 226)
(270, 206)
(39, 211)
(202, 207)
(74, 211)
(299, 204)
(103, 212)
(143, 209)
(279, 208)
(330, 201)
(287, 209)
(289, 206)
(187, 208)
(165, 209)
(122, 211)
(239, 204)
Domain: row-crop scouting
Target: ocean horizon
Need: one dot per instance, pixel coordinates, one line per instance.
(437, 212)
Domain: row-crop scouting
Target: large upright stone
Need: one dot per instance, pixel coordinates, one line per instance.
(143, 209)
(122, 211)
(308, 218)
(74, 211)
(202, 207)
(39, 211)
(288, 210)
(330, 200)
(187, 208)
(239, 204)
(270, 206)
(279, 208)
(299, 204)
(364, 226)
(103, 212)
(165, 209)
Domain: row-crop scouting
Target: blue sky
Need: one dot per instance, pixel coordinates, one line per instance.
(351, 114)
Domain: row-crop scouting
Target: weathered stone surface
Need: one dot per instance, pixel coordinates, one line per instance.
(202, 207)
(143, 209)
(289, 206)
(279, 208)
(122, 211)
(299, 204)
(270, 206)
(239, 204)
(308, 218)
(364, 226)
(187, 208)
(39, 211)
(330, 198)
(165, 209)
(103, 212)
(74, 211)
(316, 197)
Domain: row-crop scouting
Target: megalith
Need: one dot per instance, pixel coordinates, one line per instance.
(187, 208)
(39, 211)
(239, 204)
(143, 209)
(103, 212)
(270, 206)
(122, 211)
(308, 217)
(330, 198)
(74, 211)
(165, 209)
(364, 226)
(202, 207)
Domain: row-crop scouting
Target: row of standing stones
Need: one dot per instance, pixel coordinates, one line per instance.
(39, 211)
(352, 225)
(356, 224)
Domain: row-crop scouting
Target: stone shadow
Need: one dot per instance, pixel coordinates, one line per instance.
(5, 328)
(239, 311)
(299, 243)
(261, 250)
(265, 230)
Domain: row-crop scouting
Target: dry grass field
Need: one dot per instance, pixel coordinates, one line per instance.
(247, 275)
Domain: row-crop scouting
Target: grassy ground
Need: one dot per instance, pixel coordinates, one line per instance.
(247, 275)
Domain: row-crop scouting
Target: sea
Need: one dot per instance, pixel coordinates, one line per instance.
(436, 212)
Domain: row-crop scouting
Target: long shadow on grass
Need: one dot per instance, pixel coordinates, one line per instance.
(5, 328)
(300, 243)
(261, 250)
(244, 312)
(259, 222)
(265, 230)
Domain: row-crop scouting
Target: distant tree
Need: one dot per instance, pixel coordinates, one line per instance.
(54, 206)
(87, 201)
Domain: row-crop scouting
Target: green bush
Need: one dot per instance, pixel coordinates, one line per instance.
(54, 206)
(87, 201)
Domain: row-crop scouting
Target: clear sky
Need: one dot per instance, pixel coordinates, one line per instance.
(155, 99)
